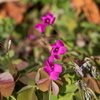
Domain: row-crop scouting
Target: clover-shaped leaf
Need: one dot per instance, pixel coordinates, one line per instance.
(27, 93)
(7, 84)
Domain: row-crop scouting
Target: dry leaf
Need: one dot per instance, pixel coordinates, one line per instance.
(14, 10)
(89, 7)
(92, 83)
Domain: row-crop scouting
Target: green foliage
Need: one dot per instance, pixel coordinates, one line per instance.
(27, 94)
(6, 27)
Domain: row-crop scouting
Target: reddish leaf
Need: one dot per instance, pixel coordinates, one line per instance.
(55, 88)
(7, 88)
(7, 84)
(6, 77)
(93, 84)
(29, 78)
(22, 65)
(32, 75)
(59, 82)
(42, 80)
(45, 85)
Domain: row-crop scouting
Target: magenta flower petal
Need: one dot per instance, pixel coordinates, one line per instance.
(47, 63)
(58, 48)
(57, 68)
(32, 37)
(51, 59)
(49, 14)
(62, 50)
(59, 43)
(53, 45)
(55, 88)
(54, 75)
(57, 56)
(48, 19)
(40, 28)
(47, 70)
(52, 19)
(44, 20)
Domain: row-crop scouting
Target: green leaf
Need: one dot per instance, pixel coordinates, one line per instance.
(68, 80)
(71, 88)
(24, 88)
(27, 80)
(88, 25)
(46, 95)
(11, 53)
(28, 94)
(78, 96)
(17, 61)
(53, 97)
(68, 96)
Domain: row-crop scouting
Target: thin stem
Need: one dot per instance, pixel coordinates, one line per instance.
(12, 67)
(92, 93)
(3, 48)
(50, 92)
(80, 93)
(55, 29)
(13, 97)
(67, 64)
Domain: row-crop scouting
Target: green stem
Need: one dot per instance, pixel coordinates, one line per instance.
(11, 67)
(50, 91)
(80, 93)
(92, 93)
(13, 98)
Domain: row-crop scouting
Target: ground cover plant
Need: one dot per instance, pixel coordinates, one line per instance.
(49, 50)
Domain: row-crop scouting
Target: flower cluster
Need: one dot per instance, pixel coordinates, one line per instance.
(51, 68)
(46, 20)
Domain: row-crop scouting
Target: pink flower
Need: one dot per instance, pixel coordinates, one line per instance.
(58, 48)
(40, 28)
(48, 19)
(52, 69)
(32, 37)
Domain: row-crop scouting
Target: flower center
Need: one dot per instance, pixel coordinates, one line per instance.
(47, 20)
(56, 49)
(52, 66)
